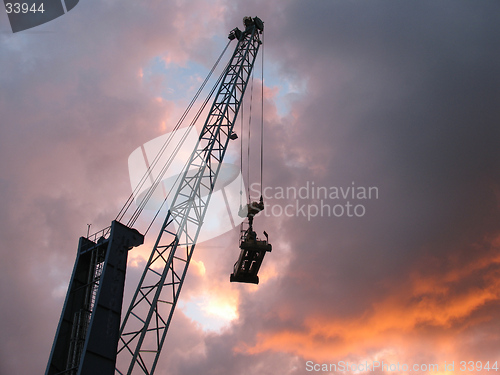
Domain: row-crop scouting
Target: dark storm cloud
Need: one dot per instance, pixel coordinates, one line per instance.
(403, 97)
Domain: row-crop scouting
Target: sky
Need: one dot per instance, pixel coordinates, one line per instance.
(389, 107)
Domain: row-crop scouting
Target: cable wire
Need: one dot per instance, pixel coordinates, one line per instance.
(165, 167)
(148, 173)
(262, 121)
(248, 149)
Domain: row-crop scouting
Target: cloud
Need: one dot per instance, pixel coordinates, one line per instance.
(445, 304)
(399, 96)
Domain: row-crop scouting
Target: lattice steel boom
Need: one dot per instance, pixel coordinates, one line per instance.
(146, 322)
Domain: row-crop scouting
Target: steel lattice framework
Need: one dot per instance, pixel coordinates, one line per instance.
(146, 322)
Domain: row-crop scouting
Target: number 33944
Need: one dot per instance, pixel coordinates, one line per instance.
(23, 8)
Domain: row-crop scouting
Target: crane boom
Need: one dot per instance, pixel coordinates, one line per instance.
(148, 317)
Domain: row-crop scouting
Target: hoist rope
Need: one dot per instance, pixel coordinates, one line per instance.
(241, 152)
(247, 172)
(249, 139)
(262, 119)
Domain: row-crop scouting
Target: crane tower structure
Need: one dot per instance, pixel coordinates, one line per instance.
(89, 338)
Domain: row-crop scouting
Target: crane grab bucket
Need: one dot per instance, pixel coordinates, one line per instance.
(252, 254)
(253, 249)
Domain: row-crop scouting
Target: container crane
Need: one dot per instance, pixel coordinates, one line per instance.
(89, 337)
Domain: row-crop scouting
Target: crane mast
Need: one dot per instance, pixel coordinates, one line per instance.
(148, 317)
(89, 339)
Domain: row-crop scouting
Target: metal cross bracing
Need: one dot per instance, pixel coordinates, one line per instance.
(146, 322)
